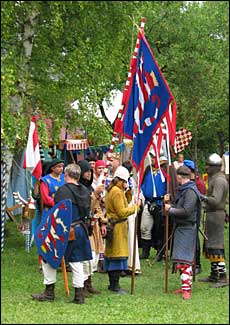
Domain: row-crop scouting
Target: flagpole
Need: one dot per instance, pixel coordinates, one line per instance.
(166, 250)
(166, 239)
(135, 235)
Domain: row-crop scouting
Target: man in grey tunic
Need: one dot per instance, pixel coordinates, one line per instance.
(215, 219)
(184, 213)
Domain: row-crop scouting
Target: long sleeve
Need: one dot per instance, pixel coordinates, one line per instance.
(121, 209)
(45, 195)
(185, 212)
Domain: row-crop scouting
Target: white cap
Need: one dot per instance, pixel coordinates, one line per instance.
(163, 158)
(122, 173)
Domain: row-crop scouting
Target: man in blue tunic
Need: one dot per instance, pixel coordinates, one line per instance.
(153, 189)
(78, 248)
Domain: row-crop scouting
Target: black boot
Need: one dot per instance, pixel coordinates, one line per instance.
(89, 286)
(85, 291)
(79, 297)
(222, 279)
(115, 283)
(146, 245)
(213, 277)
(47, 295)
(111, 282)
(221, 282)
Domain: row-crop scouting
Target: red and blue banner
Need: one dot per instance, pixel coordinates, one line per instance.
(147, 103)
(51, 237)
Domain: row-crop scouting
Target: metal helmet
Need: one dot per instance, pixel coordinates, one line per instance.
(122, 173)
(214, 160)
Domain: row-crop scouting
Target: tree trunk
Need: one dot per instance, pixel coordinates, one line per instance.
(17, 99)
(221, 139)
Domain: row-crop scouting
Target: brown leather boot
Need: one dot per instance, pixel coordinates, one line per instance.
(47, 295)
(86, 292)
(89, 286)
(79, 297)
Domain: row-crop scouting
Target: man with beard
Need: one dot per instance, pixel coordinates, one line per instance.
(215, 219)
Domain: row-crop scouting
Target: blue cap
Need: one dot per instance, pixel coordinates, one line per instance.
(190, 164)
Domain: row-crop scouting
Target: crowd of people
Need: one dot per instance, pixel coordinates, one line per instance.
(104, 212)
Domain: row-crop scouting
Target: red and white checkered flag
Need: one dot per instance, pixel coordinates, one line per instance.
(183, 138)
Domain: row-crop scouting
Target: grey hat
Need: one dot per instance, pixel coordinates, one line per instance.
(184, 171)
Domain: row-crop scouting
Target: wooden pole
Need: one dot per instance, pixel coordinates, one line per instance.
(166, 239)
(166, 250)
(135, 238)
(65, 278)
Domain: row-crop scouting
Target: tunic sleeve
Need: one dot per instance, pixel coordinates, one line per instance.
(217, 194)
(189, 204)
(45, 195)
(122, 210)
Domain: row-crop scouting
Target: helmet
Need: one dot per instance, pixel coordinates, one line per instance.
(122, 173)
(214, 160)
(189, 163)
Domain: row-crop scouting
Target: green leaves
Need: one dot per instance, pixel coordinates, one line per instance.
(80, 49)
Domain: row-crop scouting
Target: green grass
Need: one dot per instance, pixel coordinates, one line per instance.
(149, 304)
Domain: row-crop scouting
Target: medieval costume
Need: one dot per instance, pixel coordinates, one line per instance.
(78, 248)
(117, 212)
(49, 184)
(184, 213)
(153, 189)
(86, 179)
(215, 219)
(201, 188)
(96, 240)
(131, 224)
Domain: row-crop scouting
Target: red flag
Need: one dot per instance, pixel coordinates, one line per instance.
(32, 159)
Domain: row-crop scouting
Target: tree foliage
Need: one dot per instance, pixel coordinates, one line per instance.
(81, 50)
